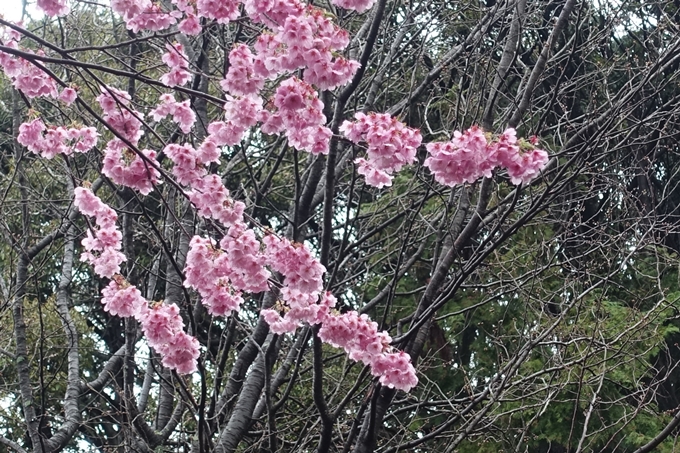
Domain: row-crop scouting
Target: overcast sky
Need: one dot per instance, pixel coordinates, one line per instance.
(11, 9)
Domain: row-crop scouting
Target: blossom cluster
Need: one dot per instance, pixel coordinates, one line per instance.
(164, 330)
(303, 37)
(162, 325)
(301, 40)
(360, 338)
(119, 115)
(54, 7)
(302, 271)
(35, 136)
(178, 62)
(390, 145)
(213, 201)
(180, 111)
(302, 285)
(220, 274)
(68, 95)
(241, 113)
(103, 249)
(130, 169)
(123, 165)
(302, 302)
(25, 76)
(470, 155)
(145, 15)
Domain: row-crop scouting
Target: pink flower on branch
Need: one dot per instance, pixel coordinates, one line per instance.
(273, 13)
(160, 323)
(122, 299)
(466, 158)
(180, 353)
(130, 8)
(127, 168)
(56, 140)
(300, 115)
(103, 249)
(178, 62)
(119, 115)
(522, 160)
(470, 155)
(212, 201)
(152, 18)
(223, 11)
(390, 145)
(54, 7)
(220, 274)
(360, 338)
(181, 112)
(357, 5)
(242, 78)
(68, 96)
(302, 302)
(27, 77)
(187, 168)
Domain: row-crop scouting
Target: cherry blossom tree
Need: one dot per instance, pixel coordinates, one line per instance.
(282, 226)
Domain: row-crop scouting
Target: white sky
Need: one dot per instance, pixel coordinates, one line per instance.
(11, 9)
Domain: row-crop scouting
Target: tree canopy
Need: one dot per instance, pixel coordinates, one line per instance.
(270, 226)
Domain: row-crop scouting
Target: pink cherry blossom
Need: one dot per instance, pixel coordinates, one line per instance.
(208, 152)
(178, 62)
(522, 162)
(299, 308)
(241, 79)
(68, 96)
(277, 324)
(28, 78)
(152, 18)
(273, 12)
(54, 7)
(180, 353)
(223, 11)
(220, 274)
(106, 263)
(130, 8)
(129, 169)
(56, 140)
(360, 338)
(390, 145)
(395, 371)
(302, 271)
(88, 203)
(240, 115)
(181, 112)
(190, 25)
(102, 250)
(470, 156)
(187, 169)
(31, 135)
(300, 115)
(160, 323)
(243, 262)
(466, 158)
(527, 165)
(122, 299)
(357, 5)
(119, 115)
(374, 176)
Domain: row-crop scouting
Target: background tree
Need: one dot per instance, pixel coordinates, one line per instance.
(539, 317)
